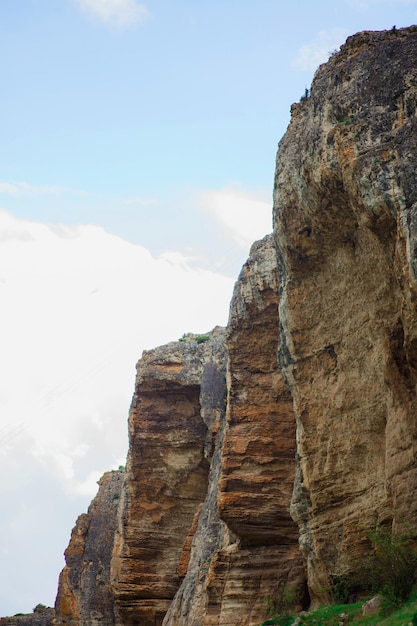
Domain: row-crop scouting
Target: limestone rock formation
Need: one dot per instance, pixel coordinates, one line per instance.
(84, 590)
(254, 548)
(258, 462)
(173, 427)
(345, 207)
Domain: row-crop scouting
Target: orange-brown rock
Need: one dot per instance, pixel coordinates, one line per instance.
(209, 536)
(252, 473)
(345, 207)
(258, 463)
(84, 590)
(173, 426)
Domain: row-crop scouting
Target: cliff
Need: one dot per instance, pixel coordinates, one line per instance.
(256, 545)
(174, 424)
(84, 590)
(345, 204)
(261, 454)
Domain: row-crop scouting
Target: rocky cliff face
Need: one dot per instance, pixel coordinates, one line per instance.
(345, 226)
(255, 544)
(84, 591)
(260, 455)
(173, 428)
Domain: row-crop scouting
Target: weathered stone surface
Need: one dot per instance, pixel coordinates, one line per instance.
(43, 616)
(231, 573)
(258, 463)
(84, 590)
(242, 579)
(345, 206)
(209, 535)
(372, 606)
(173, 427)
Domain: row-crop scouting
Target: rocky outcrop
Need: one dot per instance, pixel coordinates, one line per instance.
(208, 535)
(254, 548)
(84, 591)
(345, 207)
(41, 616)
(173, 427)
(258, 463)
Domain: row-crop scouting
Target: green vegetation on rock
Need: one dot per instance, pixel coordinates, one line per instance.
(350, 614)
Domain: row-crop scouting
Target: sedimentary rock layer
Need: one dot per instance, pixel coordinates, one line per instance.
(258, 462)
(84, 590)
(173, 425)
(254, 549)
(345, 207)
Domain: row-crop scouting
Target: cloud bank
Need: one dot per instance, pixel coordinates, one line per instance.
(79, 304)
(78, 307)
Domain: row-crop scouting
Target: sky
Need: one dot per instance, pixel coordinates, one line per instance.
(138, 151)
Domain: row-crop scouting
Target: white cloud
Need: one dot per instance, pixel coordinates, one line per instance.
(119, 14)
(245, 216)
(78, 307)
(311, 55)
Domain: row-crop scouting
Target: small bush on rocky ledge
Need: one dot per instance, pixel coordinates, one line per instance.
(202, 338)
(197, 338)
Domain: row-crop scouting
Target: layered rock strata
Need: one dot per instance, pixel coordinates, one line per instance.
(173, 427)
(258, 461)
(84, 590)
(345, 207)
(253, 549)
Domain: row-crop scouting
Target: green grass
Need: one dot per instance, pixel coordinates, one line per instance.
(329, 616)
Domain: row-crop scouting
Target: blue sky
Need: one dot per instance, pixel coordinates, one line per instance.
(138, 151)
